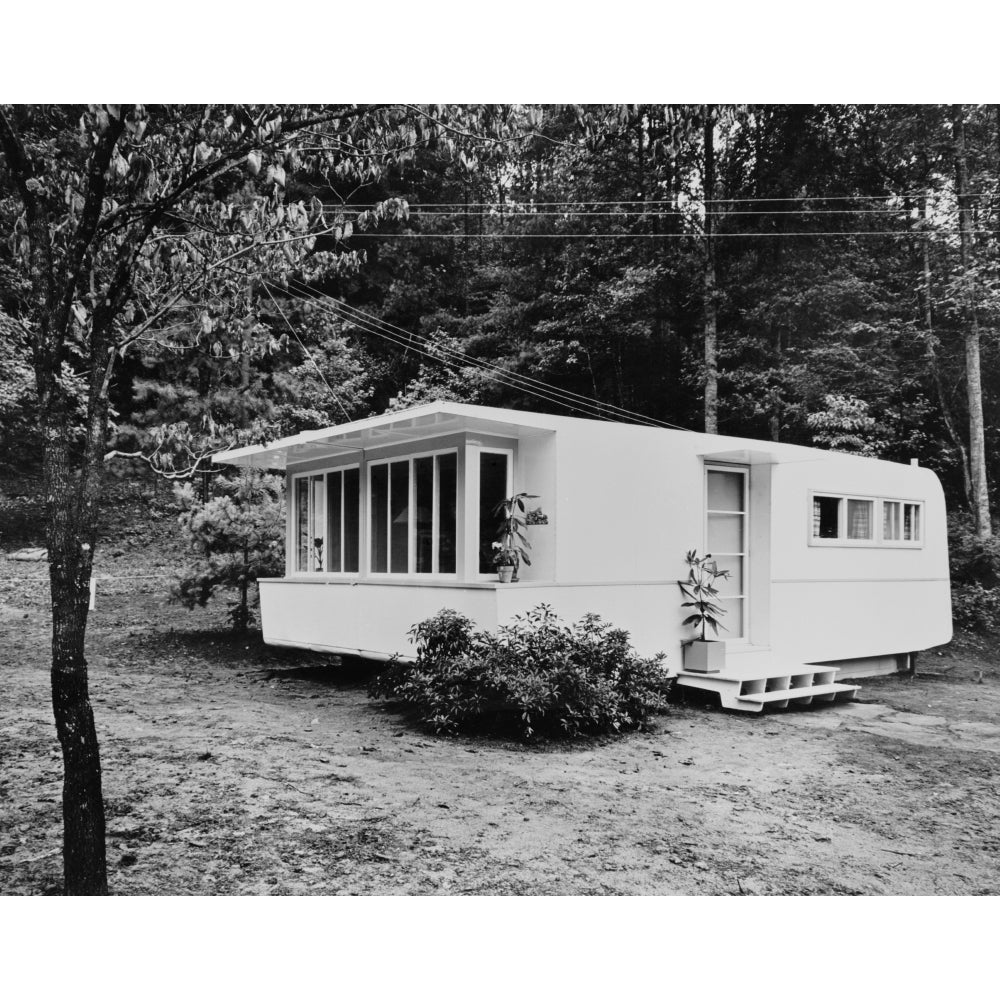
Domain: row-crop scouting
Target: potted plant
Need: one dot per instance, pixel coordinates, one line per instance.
(701, 654)
(505, 560)
(512, 545)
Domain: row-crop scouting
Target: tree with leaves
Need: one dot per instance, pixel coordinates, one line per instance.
(121, 216)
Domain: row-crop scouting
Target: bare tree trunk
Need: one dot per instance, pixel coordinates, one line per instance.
(932, 361)
(710, 292)
(973, 381)
(70, 535)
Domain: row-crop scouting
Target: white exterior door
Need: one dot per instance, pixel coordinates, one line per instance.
(727, 539)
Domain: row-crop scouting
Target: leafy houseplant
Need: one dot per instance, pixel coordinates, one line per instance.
(512, 545)
(702, 654)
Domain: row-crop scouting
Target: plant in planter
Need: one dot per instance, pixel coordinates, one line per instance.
(512, 545)
(702, 654)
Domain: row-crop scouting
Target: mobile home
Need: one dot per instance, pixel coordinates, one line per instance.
(838, 564)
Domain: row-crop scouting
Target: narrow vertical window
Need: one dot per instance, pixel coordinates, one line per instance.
(492, 490)
(302, 524)
(379, 518)
(399, 517)
(317, 526)
(334, 521)
(891, 523)
(726, 539)
(911, 522)
(352, 519)
(447, 500)
(423, 482)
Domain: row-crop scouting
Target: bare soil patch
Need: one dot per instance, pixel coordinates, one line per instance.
(230, 767)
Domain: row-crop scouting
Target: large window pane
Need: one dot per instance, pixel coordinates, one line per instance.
(725, 533)
(423, 475)
(399, 515)
(859, 519)
(379, 514)
(492, 490)
(352, 515)
(447, 472)
(302, 524)
(725, 490)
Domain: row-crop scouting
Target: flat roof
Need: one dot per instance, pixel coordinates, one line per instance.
(417, 423)
(412, 424)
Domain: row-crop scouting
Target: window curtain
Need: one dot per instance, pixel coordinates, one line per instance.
(859, 519)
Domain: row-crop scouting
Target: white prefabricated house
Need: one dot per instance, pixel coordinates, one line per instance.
(838, 564)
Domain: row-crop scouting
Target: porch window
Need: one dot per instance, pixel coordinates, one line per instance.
(494, 487)
(343, 525)
(310, 534)
(413, 503)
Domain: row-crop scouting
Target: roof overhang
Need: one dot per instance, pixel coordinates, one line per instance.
(766, 456)
(412, 425)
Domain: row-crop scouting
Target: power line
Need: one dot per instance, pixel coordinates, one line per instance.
(394, 334)
(360, 316)
(519, 213)
(514, 202)
(319, 371)
(663, 236)
(460, 363)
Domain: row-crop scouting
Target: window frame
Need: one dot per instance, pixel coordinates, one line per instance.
(474, 509)
(411, 554)
(341, 470)
(878, 522)
(293, 519)
(744, 596)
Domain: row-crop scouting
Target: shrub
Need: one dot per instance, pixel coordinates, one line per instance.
(237, 537)
(533, 677)
(972, 559)
(975, 608)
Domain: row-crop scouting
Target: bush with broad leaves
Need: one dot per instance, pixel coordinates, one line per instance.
(534, 677)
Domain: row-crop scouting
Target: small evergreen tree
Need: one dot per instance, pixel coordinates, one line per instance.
(238, 536)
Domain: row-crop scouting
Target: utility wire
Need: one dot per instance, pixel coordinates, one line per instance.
(522, 382)
(462, 363)
(319, 371)
(530, 386)
(514, 202)
(661, 236)
(527, 213)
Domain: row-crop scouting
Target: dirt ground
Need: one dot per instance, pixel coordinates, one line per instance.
(233, 768)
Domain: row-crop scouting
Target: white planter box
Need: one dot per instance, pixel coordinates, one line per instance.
(705, 656)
